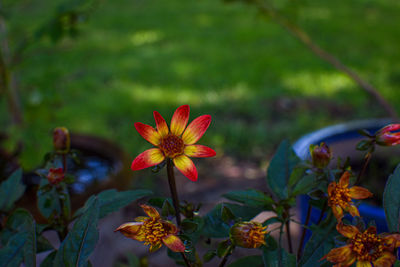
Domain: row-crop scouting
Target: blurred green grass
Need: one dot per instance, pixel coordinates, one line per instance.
(258, 82)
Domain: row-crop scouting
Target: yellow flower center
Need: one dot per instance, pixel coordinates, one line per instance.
(154, 232)
(256, 236)
(367, 246)
(172, 146)
(340, 196)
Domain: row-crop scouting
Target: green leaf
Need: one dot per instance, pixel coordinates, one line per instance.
(278, 258)
(48, 200)
(48, 261)
(81, 240)
(209, 255)
(167, 209)
(13, 253)
(111, 200)
(280, 170)
(321, 241)
(391, 201)
(215, 227)
(227, 215)
(11, 190)
(223, 248)
(251, 197)
(305, 185)
(188, 226)
(253, 261)
(21, 222)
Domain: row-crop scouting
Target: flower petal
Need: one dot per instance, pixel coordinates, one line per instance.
(386, 260)
(150, 211)
(196, 129)
(371, 230)
(162, 127)
(344, 180)
(348, 231)
(337, 212)
(340, 254)
(131, 230)
(393, 240)
(148, 133)
(180, 120)
(389, 128)
(174, 243)
(169, 227)
(199, 151)
(358, 192)
(363, 264)
(148, 158)
(155, 247)
(353, 210)
(331, 188)
(186, 167)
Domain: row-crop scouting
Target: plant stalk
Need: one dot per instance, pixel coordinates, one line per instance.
(172, 188)
(289, 237)
(225, 258)
(367, 159)
(303, 234)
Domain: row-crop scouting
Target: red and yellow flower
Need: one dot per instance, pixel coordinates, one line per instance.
(389, 135)
(340, 196)
(248, 234)
(367, 248)
(153, 231)
(176, 142)
(55, 175)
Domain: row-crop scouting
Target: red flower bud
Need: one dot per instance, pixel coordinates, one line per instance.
(388, 135)
(321, 155)
(248, 234)
(55, 176)
(61, 139)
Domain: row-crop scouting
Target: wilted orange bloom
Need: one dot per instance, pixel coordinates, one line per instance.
(153, 231)
(367, 248)
(248, 234)
(340, 196)
(176, 142)
(389, 135)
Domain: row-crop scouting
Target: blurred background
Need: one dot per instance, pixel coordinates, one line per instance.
(97, 66)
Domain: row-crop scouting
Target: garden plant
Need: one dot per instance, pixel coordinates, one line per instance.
(339, 237)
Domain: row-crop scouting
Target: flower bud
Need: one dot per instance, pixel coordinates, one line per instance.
(248, 234)
(389, 135)
(61, 139)
(55, 176)
(321, 155)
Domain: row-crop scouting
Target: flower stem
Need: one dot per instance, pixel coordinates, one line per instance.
(303, 234)
(64, 162)
(228, 253)
(288, 234)
(367, 159)
(172, 188)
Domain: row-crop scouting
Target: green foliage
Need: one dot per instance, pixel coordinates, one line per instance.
(391, 201)
(278, 258)
(280, 170)
(53, 200)
(251, 197)
(321, 241)
(11, 190)
(111, 200)
(81, 240)
(19, 238)
(214, 225)
(253, 261)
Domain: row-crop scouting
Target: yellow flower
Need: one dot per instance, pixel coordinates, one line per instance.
(248, 234)
(153, 231)
(340, 196)
(367, 248)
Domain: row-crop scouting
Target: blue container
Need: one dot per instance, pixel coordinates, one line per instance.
(339, 137)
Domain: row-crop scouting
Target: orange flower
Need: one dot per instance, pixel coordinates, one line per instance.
(248, 234)
(55, 176)
(389, 135)
(340, 195)
(153, 231)
(367, 248)
(175, 143)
